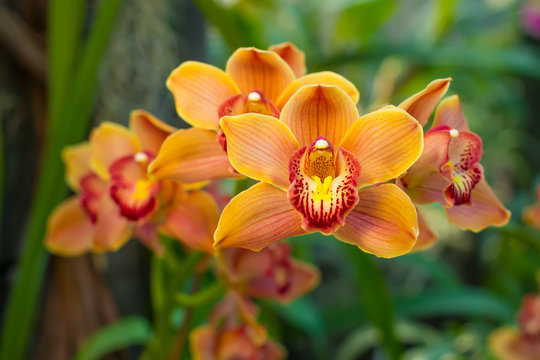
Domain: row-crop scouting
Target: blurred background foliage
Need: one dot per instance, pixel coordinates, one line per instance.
(105, 58)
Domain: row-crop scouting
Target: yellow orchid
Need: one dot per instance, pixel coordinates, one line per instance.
(233, 333)
(114, 197)
(255, 80)
(271, 273)
(308, 185)
(508, 343)
(449, 170)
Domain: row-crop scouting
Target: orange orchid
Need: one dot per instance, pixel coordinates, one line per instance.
(449, 170)
(271, 273)
(233, 333)
(508, 343)
(531, 214)
(114, 197)
(309, 185)
(255, 80)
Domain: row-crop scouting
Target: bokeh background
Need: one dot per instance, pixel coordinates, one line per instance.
(67, 65)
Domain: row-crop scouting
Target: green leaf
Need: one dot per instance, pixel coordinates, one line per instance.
(125, 332)
(375, 298)
(363, 19)
(467, 302)
(303, 314)
(69, 125)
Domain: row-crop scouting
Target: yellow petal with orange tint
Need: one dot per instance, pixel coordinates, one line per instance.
(193, 221)
(189, 156)
(504, 344)
(149, 129)
(108, 143)
(319, 78)
(422, 104)
(449, 113)
(384, 222)
(292, 55)
(69, 229)
(260, 146)
(112, 230)
(77, 161)
(199, 90)
(427, 236)
(485, 210)
(385, 142)
(256, 218)
(253, 69)
(203, 342)
(319, 110)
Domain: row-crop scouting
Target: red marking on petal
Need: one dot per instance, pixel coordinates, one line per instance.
(92, 188)
(465, 151)
(130, 187)
(240, 104)
(528, 317)
(323, 203)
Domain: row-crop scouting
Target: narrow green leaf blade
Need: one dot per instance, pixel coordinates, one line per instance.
(375, 298)
(125, 332)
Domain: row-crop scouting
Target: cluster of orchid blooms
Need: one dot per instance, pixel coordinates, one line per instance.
(318, 166)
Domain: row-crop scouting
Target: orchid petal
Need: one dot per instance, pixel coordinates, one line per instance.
(260, 146)
(292, 56)
(531, 215)
(427, 236)
(149, 129)
(193, 221)
(319, 78)
(421, 104)
(426, 180)
(384, 222)
(110, 142)
(199, 90)
(253, 69)
(485, 210)
(77, 161)
(319, 110)
(449, 113)
(385, 142)
(112, 230)
(148, 234)
(189, 156)
(256, 218)
(69, 229)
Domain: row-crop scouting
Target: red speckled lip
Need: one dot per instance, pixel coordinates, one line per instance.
(308, 173)
(125, 173)
(92, 188)
(465, 152)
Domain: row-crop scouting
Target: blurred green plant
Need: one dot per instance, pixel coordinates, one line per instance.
(73, 64)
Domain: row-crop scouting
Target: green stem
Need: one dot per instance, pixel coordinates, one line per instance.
(202, 297)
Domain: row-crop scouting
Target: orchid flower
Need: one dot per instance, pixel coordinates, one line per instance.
(319, 168)
(233, 333)
(508, 343)
(254, 81)
(531, 214)
(449, 171)
(271, 273)
(114, 197)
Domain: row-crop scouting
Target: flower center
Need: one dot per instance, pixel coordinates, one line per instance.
(321, 167)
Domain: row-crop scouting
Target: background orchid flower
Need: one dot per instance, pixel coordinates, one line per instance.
(449, 171)
(233, 333)
(255, 80)
(316, 168)
(271, 273)
(508, 343)
(115, 198)
(531, 214)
